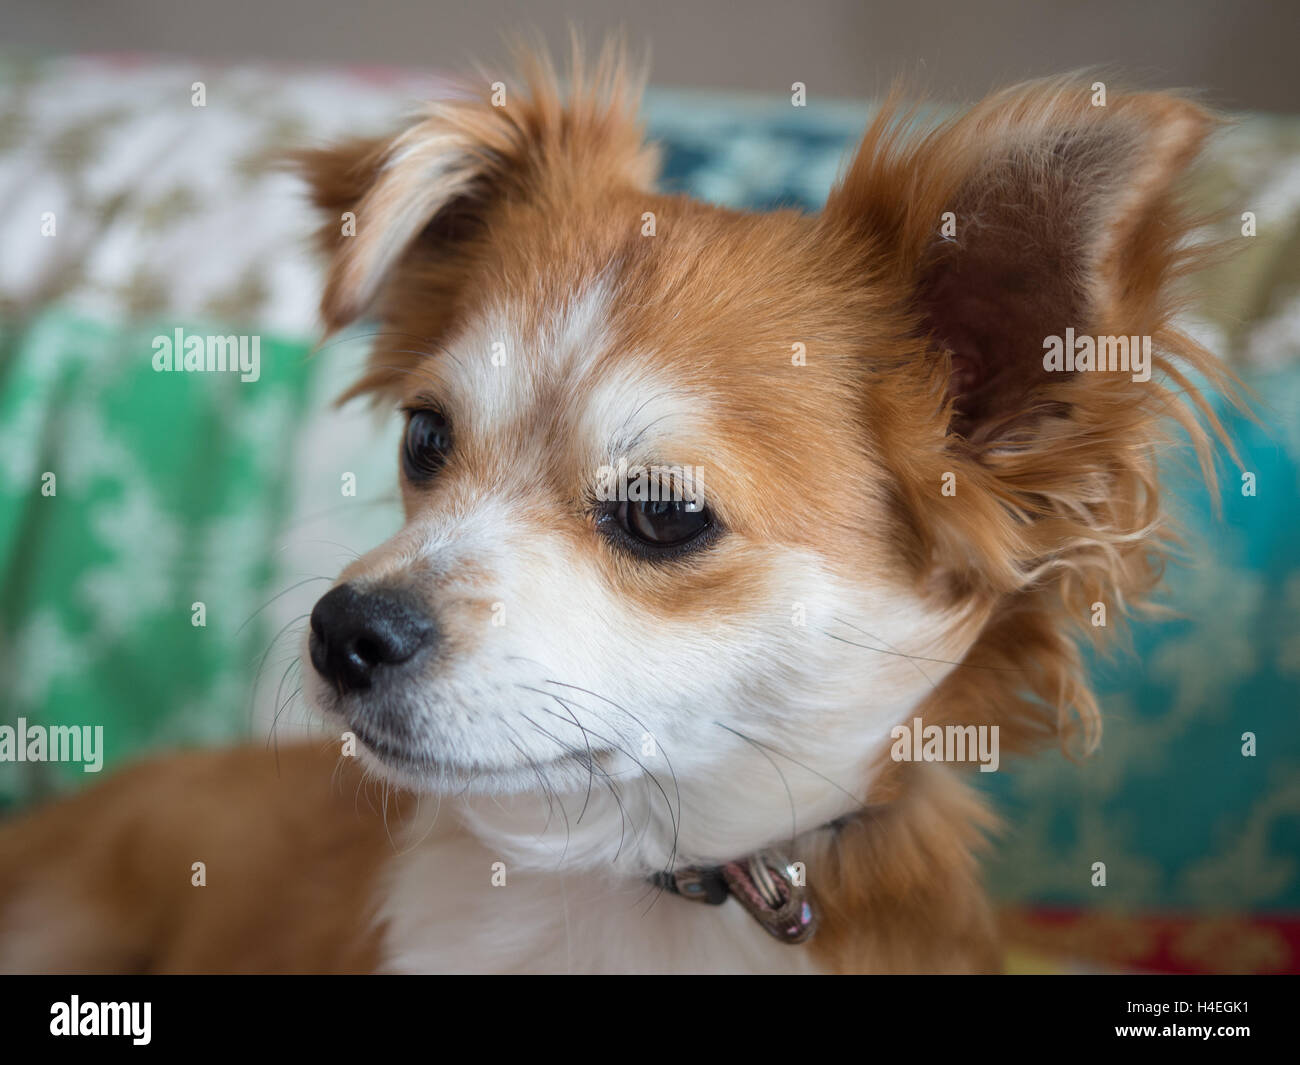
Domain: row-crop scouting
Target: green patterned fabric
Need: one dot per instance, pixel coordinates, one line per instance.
(167, 492)
(177, 489)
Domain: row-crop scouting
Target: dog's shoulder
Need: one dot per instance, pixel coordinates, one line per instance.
(245, 860)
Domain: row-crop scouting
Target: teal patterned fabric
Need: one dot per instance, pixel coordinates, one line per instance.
(1180, 817)
(179, 489)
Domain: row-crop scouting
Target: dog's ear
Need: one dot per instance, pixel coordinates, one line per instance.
(1028, 493)
(377, 195)
(1046, 207)
(435, 185)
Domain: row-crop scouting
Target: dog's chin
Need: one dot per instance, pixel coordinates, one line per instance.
(419, 769)
(432, 775)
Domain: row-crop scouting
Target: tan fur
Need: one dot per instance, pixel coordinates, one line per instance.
(898, 888)
(101, 882)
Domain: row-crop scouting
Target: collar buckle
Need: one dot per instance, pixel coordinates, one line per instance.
(765, 883)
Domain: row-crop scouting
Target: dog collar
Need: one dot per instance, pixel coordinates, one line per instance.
(765, 883)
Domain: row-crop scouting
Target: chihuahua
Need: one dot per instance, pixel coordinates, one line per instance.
(734, 544)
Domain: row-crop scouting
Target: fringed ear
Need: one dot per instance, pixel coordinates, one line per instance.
(379, 196)
(1046, 208)
(1042, 219)
(435, 184)
(1021, 397)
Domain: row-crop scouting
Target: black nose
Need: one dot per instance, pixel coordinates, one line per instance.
(355, 634)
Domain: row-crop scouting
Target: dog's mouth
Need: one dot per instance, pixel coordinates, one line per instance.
(397, 756)
(392, 753)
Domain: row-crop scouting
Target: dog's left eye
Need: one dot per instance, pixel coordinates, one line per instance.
(427, 444)
(663, 523)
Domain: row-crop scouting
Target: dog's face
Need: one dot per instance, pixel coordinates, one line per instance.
(674, 477)
(545, 620)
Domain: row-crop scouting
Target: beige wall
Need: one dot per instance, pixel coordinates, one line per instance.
(1242, 53)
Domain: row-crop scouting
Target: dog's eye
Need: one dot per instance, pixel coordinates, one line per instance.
(663, 523)
(427, 444)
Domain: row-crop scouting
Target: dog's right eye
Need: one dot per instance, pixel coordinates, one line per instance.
(427, 444)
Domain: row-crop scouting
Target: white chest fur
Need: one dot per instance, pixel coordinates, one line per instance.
(444, 914)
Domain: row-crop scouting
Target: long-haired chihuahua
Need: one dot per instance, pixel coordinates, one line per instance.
(734, 544)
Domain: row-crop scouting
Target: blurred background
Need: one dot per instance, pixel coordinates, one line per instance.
(1243, 52)
(134, 208)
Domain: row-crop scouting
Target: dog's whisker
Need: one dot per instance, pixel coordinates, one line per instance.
(794, 823)
(551, 797)
(261, 666)
(279, 595)
(614, 743)
(576, 753)
(293, 662)
(609, 782)
(860, 804)
(889, 649)
(275, 720)
(589, 756)
(675, 818)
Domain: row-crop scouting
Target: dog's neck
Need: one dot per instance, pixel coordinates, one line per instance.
(893, 886)
(457, 901)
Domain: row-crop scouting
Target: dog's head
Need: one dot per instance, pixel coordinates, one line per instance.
(700, 504)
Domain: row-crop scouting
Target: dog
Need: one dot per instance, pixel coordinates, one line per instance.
(702, 507)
